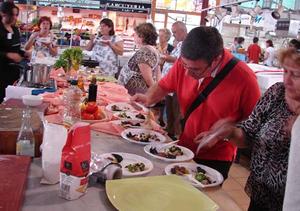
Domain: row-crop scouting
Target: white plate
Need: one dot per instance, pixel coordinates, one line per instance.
(32, 100)
(134, 131)
(119, 122)
(122, 106)
(131, 159)
(187, 154)
(192, 167)
(132, 115)
(46, 40)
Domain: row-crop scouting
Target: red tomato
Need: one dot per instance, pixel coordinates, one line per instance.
(98, 115)
(82, 107)
(91, 107)
(87, 116)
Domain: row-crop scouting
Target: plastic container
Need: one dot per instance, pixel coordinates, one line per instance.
(72, 100)
(25, 142)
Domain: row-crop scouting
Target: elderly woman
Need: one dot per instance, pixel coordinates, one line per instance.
(292, 191)
(267, 129)
(142, 70)
(106, 47)
(43, 40)
(163, 46)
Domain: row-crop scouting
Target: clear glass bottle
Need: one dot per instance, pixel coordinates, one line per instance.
(25, 142)
(72, 100)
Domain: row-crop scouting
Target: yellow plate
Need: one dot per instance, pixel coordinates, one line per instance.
(159, 193)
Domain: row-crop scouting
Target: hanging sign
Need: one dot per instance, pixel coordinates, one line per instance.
(142, 6)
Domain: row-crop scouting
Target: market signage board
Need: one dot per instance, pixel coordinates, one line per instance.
(133, 6)
(88, 4)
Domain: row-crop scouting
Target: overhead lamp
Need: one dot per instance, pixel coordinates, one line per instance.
(235, 11)
(209, 17)
(257, 9)
(60, 12)
(278, 12)
(220, 13)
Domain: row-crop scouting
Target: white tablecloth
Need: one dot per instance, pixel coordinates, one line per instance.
(266, 76)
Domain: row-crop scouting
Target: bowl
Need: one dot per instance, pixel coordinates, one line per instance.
(32, 100)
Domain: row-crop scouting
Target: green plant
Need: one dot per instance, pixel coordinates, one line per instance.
(70, 58)
(61, 63)
(74, 57)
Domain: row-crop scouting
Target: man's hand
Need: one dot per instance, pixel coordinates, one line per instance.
(163, 57)
(15, 57)
(221, 130)
(141, 98)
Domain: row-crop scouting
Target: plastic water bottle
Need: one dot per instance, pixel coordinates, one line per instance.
(25, 142)
(72, 100)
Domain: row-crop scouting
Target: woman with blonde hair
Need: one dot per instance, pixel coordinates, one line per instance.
(163, 47)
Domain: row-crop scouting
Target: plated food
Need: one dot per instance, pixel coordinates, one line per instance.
(132, 165)
(104, 78)
(129, 115)
(170, 153)
(136, 167)
(142, 136)
(119, 107)
(128, 123)
(199, 175)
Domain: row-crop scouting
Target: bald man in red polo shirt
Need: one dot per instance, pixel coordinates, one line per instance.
(203, 57)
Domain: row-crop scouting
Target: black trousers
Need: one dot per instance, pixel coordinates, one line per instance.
(255, 207)
(221, 166)
(8, 75)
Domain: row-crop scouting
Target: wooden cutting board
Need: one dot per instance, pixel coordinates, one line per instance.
(10, 124)
(17, 103)
(13, 177)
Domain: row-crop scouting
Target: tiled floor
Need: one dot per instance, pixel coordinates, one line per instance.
(234, 185)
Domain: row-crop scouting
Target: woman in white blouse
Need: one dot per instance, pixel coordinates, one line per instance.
(43, 40)
(106, 47)
(269, 54)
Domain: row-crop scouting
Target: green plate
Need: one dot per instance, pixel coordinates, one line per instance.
(159, 193)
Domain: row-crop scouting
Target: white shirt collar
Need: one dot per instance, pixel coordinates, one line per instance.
(213, 74)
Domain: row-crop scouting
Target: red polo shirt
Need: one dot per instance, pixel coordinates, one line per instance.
(254, 52)
(234, 97)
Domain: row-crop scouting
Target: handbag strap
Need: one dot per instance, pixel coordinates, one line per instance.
(209, 88)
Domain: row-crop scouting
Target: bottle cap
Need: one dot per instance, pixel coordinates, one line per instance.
(74, 82)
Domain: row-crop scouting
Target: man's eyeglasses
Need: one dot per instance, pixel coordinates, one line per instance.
(196, 70)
